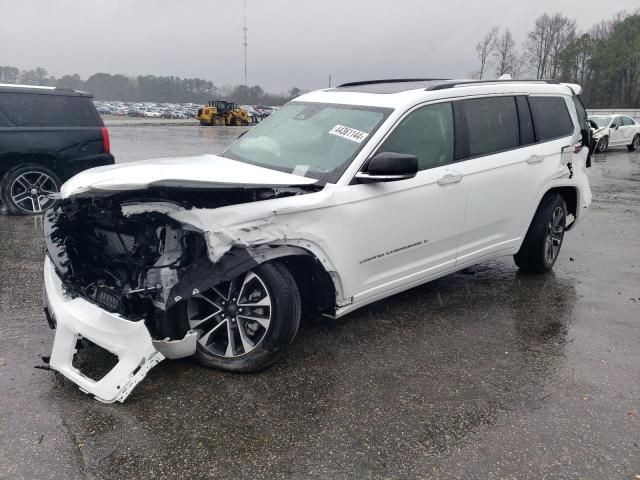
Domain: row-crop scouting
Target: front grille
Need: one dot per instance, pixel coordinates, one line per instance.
(108, 298)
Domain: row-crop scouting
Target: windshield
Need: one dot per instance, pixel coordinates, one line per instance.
(316, 140)
(601, 121)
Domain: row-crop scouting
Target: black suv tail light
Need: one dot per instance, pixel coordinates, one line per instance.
(105, 140)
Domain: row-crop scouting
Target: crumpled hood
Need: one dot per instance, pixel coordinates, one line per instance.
(204, 171)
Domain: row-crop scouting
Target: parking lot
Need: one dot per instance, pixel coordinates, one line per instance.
(486, 373)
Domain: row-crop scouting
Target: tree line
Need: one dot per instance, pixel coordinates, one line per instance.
(604, 60)
(147, 88)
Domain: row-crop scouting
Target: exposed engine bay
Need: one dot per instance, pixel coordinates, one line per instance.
(127, 255)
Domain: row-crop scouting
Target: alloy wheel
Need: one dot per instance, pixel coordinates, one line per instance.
(555, 234)
(233, 318)
(30, 191)
(603, 145)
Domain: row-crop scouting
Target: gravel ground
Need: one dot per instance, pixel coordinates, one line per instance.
(486, 373)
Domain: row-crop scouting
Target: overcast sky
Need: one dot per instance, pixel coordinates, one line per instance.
(291, 42)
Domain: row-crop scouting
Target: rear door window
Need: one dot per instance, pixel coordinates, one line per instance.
(626, 121)
(491, 125)
(36, 110)
(551, 118)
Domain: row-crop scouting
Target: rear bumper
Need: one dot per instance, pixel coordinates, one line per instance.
(80, 164)
(76, 318)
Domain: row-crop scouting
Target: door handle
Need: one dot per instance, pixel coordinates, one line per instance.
(450, 178)
(535, 159)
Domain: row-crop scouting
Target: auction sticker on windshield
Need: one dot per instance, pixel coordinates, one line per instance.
(348, 133)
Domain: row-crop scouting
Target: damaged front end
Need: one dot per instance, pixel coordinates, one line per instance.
(120, 270)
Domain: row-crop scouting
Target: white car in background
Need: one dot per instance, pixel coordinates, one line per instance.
(340, 198)
(614, 130)
(152, 114)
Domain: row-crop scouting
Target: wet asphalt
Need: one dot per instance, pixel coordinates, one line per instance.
(486, 373)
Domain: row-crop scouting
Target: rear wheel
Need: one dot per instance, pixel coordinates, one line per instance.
(542, 243)
(603, 145)
(635, 143)
(26, 189)
(244, 325)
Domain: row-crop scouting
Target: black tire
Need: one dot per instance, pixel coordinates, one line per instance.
(541, 245)
(283, 327)
(603, 145)
(16, 194)
(635, 143)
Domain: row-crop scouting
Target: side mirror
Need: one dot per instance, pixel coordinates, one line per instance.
(389, 167)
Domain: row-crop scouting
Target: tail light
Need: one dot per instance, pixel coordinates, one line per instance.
(105, 140)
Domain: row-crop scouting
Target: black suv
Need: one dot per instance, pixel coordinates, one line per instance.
(47, 135)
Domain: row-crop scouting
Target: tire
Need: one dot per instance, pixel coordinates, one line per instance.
(541, 245)
(635, 143)
(259, 334)
(216, 121)
(24, 189)
(602, 145)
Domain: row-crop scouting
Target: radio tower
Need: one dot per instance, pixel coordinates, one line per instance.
(244, 43)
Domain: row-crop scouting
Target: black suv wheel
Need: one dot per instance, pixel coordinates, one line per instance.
(26, 189)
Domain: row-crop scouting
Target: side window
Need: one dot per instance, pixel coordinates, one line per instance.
(34, 110)
(491, 124)
(550, 118)
(3, 120)
(626, 121)
(426, 133)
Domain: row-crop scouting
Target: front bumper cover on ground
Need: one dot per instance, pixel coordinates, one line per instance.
(77, 318)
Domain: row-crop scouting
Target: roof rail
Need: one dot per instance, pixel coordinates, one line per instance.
(457, 83)
(391, 80)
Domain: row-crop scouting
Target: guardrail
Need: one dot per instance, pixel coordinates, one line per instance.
(630, 112)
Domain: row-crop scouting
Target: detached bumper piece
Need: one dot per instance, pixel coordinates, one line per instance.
(77, 318)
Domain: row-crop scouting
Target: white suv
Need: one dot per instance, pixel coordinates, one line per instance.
(340, 198)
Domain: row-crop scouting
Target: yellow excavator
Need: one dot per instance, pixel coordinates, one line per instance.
(221, 113)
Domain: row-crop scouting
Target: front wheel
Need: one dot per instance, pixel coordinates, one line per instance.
(603, 145)
(244, 325)
(635, 143)
(542, 243)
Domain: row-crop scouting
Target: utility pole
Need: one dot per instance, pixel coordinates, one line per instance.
(244, 43)
(329, 80)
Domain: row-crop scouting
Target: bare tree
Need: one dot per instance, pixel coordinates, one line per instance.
(537, 45)
(505, 54)
(484, 48)
(563, 33)
(518, 67)
(545, 43)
